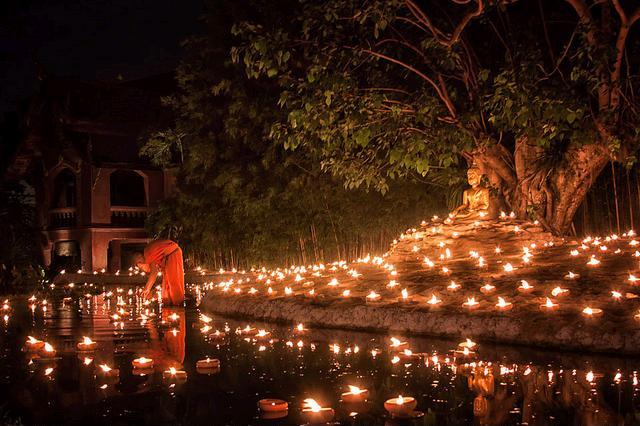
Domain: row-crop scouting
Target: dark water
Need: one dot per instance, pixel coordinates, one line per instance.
(506, 385)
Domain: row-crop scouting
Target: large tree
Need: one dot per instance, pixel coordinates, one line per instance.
(539, 94)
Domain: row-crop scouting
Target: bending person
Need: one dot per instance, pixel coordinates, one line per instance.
(164, 256)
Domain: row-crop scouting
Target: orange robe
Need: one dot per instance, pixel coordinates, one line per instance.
(167, 256)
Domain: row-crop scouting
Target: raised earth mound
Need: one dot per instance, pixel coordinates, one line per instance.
(495, 280)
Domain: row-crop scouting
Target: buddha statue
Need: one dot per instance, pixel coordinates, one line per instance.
(475, 200)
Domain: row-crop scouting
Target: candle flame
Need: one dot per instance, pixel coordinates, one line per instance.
(355, 390)
(105, 368)
(312, 405)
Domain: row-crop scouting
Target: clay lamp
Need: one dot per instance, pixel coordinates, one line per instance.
(208, 366)
(355, 394)
(333, 283)
(174, 375)
(548, 305)
(508, 267)
(273, 408)
(471, 303)
(34, 344)
(87, 345)
(503, 305)
(559, 291)
(252, 291)
(315, 413)
(47, 351)
(468, 343)
(591, 312)
(487, 288)
(434, 301)
(142, 363)
(616, 294)
(571, 276)
(632, 279)
(400, 406)
(574, 252)
(453, 286)
(205, 329)
(525, 287)
(205, 319)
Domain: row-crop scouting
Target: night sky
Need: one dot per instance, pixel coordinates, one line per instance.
(89, 39)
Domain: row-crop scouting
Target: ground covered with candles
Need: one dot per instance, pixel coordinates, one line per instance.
(87, 356)
(499, 280)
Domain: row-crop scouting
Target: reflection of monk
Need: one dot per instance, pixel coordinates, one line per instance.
(169, 350)
(475, 200)
(164, 256)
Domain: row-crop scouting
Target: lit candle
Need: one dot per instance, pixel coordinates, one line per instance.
(34, 344)
(400, 406)
(525, 287)
(87, 345)
(270, 405)
(559, 291)
(47, 351)
(487, 288)
(548, 305)
(503, 305)
(372, 296)
(142, 363)
(315, 413)
(471, 303)
(208, 366)
(571, 276)
(355, 394)
(262, 334)
(174, 375)
(453, 286)
(434, 300)
(592, 312)
(397, 343)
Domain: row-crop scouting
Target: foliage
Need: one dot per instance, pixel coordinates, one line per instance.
(19, 251)
(245, 199)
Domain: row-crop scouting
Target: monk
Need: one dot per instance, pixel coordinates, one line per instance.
(164, 256)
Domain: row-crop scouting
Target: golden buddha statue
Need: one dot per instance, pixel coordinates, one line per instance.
(475, 200)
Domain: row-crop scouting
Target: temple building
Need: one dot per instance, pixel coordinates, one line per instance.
(79, 152)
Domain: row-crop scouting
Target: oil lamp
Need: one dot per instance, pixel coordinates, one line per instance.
(616, 294)
(262, 334)
(632, 279)
(433, 301)
(174, 375)
(468, 343)
(571, 276)
(315, 413)
(487, 288)
(270, 405)
(400, 406)
(453, 286)
(559, 291)
(373, 296)
(87, 345)
(593, 261)
(346, 293)
(106, 372)
(397, 343)
(355, 394)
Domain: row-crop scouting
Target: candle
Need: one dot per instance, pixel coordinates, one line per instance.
(300, 328)
(487, 288)
(174, 375)
(571, 276)
(397, 343)
(373, 296)
(525, 287)
(434, 300)
(471, 303)
(208, 366)
(262, 334)
(633, 279)
(87, 345)
(468, 343)
(247, 331)
(593, 261)
(400, 406)
(508, 267)
(34, 344)
(592, 312)
(270, 405)
(315, 413)
(217, 335)
(559, 291)
(108, 374)
(47, 351)
(453, 286)
(355, 394)
(548, 305)
(142, 363)
(503, 305)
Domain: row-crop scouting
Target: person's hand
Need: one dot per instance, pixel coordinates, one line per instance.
(146, 293)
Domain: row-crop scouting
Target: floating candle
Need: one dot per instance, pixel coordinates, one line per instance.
(525, 287)
(34, 344)
(142, 363)
(434, 300)
(487, 288)
(47, 351)
(355, 394)
(571, 276)
(372, 296)
(453, 286)
(400, 406)
(87, 345)
(270, 405)
(548, 305)
(315, 413)
(593, 261)
(208, 365)
(174, 375)
(468, 343)
(559, 291)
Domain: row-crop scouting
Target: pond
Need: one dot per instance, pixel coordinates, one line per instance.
(496, 385)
